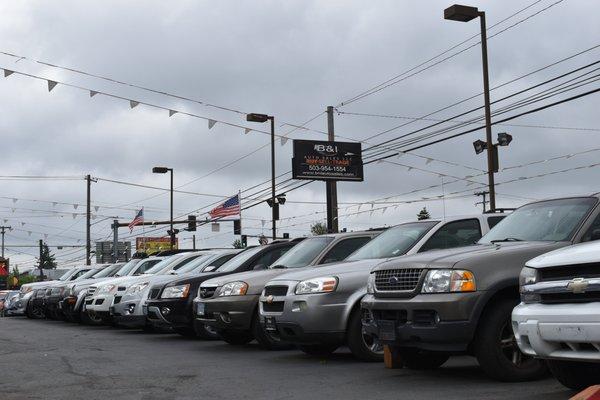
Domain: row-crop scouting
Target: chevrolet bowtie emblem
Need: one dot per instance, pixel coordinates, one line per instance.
(269, 299)
(578, 285)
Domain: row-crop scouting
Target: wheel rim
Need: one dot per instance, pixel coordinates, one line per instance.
(372, 344)
(509, 347)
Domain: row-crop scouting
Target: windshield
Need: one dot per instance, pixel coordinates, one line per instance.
(108, 271)
(89, 273)
(394, 242)
(303, 253)
(238, 260)
(125, 269)
(194, 263)
(67, 275)
(554, 220)
(161, 265)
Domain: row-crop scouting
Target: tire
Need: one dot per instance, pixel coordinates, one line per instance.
(87, 319)
(496, 348)
(265, 339)
(236, 338)
(421, 359)
(206, 332)
(363, 347)
(319, 350)
(575, 375)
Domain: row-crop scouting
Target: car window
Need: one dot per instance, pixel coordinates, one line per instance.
(108, 271)
(220, 260)
(128, 267)
(493, 221)
(454, 234)
(270, 256)
(343, 249)
(146, 265)
(303, 253)
(240, 259)
(593, 232)
(78, 274)
(90, 273)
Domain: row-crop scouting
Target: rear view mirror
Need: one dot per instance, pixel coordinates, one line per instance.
(210, 268)
(258, 267)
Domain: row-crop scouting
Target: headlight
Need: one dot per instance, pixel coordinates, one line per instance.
(323, 284)
(528, 276)
(138, 287)
(175, 292)
(449, 281)
(106, 289)
(371, 284)
(234, 289)
(26, 289)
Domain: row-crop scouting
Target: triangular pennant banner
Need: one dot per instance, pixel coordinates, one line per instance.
(133, 103)
(211, 123)
(400, 154)
(8, 72)
(51, 85)
(22, 223)
(54, 204)
(429, 160)
(96, 208)
(284, 141)
(93, 216)
(75, 206)
(93, 93)
(74, 215)
(14, 200)
(247, 131)
(172, 112)
(29, 233)
(5, 221)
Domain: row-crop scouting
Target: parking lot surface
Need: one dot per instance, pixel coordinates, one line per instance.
(59, 360)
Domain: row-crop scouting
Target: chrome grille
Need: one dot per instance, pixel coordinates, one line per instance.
(91, 291)
(398, 279)
(206, 292)
(276, 290)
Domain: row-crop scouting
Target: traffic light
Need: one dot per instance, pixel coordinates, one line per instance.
(237, 227)
(286, 235)
(191, 223)
(244, 241)
(175, 232)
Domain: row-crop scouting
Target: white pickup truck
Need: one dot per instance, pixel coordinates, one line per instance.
(559, 317)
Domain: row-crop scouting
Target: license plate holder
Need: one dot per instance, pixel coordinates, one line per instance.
(387, 330)
(201, 309)
(270, 324)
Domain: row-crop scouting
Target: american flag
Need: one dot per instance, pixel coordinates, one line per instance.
(139, 218)
(231, 206)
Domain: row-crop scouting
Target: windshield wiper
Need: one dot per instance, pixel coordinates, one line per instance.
(508, 239)
(278, 266)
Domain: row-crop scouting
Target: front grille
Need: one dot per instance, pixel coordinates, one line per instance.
(398, 279)
(561, 298)
(279, 290)
(154, 292)
(567, 272)
(276, 306)
(398, 316)
(121, 288)
(91, 291)
(424, 317)
(207, 292)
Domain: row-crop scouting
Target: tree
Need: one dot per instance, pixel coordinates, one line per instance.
(46, 260)
(423, 214)
(237, 244)
(318, 228)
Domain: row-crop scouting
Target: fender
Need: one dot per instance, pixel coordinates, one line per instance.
(484, 300)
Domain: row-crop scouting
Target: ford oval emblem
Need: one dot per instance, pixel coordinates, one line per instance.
(394, 280)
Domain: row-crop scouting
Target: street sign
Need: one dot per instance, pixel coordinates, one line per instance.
(320, 160)
(151, 245)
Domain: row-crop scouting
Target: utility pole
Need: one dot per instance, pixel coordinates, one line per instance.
(41, 251)
(115, 227)
(484, 202)
(88, 224)
(331, 186)
(2, 232)
(194, 242)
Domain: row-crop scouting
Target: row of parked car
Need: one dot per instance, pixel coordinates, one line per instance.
(419, 292)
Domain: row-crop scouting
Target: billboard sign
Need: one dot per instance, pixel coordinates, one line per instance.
(321, 160)
(151, 245)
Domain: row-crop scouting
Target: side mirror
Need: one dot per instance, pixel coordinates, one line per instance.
(259, 267)
(595, 235)
(210, 268)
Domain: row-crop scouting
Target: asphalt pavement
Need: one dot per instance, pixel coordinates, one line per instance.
(58, 360)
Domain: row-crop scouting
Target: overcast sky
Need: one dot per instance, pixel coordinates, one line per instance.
(289, 59)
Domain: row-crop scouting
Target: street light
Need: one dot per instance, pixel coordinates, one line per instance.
(462, 13)
(164, 170)
(504, 139)
(254, 117)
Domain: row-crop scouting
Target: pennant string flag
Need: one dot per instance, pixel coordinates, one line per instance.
(51, 85)
(8, 72)
(93, 93)
(247, 131)
(133, 103)
(172, 112)
(211, 123)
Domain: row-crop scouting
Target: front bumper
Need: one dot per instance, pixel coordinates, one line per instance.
(558, 331)
(129, 311)
(435, 322)
(170, 312)
(318, 318)
(228, 312)
(99, 303)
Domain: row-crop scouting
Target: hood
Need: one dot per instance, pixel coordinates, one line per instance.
(256, 280)
(38, 285)
(194, 279)
(480, 254)
(114, 281)
(583, 253)
(334, 269)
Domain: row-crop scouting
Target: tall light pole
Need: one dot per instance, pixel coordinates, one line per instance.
(164, 170)
(2, 232)
(464, 14)
(253, 117)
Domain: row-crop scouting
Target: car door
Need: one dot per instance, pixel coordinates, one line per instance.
(464, 232)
